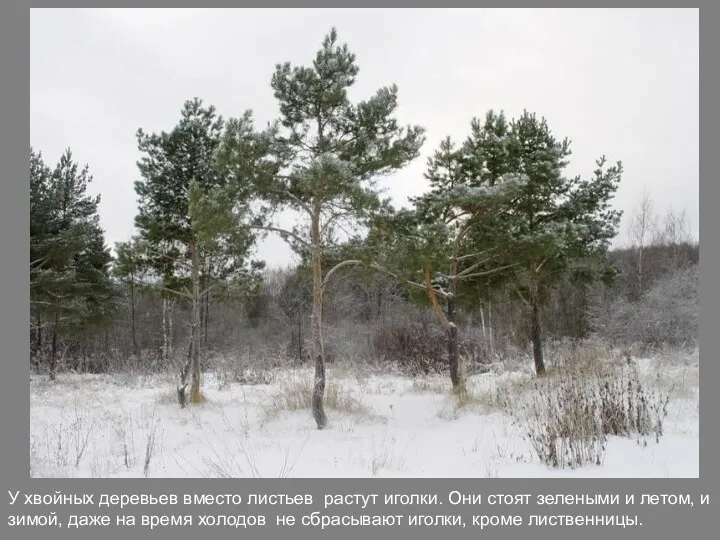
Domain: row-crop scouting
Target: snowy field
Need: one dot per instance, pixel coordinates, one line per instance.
(381, 425)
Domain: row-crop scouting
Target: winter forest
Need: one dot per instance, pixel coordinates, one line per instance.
(508, 322)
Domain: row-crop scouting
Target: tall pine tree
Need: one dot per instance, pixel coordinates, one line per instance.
(331, 153)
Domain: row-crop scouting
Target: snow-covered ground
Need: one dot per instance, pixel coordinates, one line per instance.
(382, 425)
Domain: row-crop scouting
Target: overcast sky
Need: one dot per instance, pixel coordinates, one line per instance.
(623, 83)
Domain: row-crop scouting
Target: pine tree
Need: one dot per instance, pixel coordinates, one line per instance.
(556, 226)
(330, 153)
(191, 210)
(70, 285)
(430, 247)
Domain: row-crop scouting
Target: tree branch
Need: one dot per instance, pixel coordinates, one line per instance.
(473, 267)
(173, 291)
(488, 272)
(413, 284)
(281, 232)
(39, 262)
(521, 296)
(302, 204)
(539, 267)
(470, 255)
(211, 287)
(178, 260)
(350, 262)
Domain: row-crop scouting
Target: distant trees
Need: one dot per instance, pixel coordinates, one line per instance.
(654, 300)
(646, 228)
(128, 268)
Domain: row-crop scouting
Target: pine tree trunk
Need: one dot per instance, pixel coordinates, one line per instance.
(166, 339)
(38, 344)
(206, 319)
(53, 351)
(536, 336)
(318, 407)
(491, 332)
(195, 328)
(456, 375)
(641, 277)
(380, 305)
(170, 331)
(447, 319)
(132, 318)
(485, 347)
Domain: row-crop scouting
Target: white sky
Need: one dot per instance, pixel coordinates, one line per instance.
(623, 83)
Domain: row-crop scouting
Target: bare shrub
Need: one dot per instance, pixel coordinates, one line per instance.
(64, 441)
(229, 464)
(385, 455)
(167, 397)
(414, 346)
(348, 341)
(237, 369)
(125, 433)
(568, 417)
(467, 401)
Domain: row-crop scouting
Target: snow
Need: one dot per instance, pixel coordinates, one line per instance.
(103, 426)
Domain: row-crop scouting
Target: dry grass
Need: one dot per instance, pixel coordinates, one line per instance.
(424, 385)
(295, 394)
(170, 397)
(473, 401)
